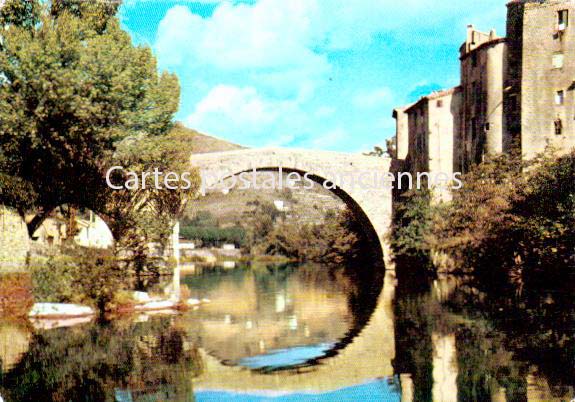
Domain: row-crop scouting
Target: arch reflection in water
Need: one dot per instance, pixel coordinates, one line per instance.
(343, 340)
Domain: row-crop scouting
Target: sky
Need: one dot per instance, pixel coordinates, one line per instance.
(320, 74)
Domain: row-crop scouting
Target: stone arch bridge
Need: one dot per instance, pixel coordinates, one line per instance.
(359, 178)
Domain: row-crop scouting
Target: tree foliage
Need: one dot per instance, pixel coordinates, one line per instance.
(72, 87)
(138, 217)
(338, 240)
(511, 217)
(215, 236)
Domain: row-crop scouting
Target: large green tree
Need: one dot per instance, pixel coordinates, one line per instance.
(72, 87)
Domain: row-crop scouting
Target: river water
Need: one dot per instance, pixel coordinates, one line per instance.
(306, 333)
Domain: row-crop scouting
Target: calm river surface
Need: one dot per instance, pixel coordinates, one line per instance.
(305, 333)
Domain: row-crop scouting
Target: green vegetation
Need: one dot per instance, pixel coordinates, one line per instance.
(510, 217)
(77, 97)
(337, 240)
(85, 276)
(204, 229)
(72, 87)
(215, 237)
(266, 231)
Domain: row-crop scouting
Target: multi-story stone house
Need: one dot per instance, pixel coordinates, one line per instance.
(514, 91)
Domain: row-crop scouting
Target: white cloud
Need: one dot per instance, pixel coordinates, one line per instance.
(324, 111)
(273, 57)
(242, 115)
(288, 39)
(268, 34)
(279, 33)
(373, 98)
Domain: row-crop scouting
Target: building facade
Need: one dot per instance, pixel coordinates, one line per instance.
(433, 145)
(483, 68)
(434, 121)
(546, 81)
(517, 91)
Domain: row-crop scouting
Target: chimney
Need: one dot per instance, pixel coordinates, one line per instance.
(470, 36)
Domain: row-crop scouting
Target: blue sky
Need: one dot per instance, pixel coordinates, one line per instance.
(322, 74)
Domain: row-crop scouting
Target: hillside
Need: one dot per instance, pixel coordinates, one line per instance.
(233, 207)
(202, 143)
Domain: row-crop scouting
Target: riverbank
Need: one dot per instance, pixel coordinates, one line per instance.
(511, 220)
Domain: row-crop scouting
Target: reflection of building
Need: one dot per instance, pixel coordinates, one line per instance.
(519, 89)
(444, 368)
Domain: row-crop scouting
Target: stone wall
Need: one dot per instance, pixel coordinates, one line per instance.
(14, 242)
(544, 76)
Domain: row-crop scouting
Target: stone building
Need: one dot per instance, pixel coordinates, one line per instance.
(518, 90)
(432, 143)
(433, 120)
(14, 243)
(401, 126)
(483, 67)
(542, 42)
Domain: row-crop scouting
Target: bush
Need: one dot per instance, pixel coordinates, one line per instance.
(336, 241)
(509, 218)
(412, 225)
(214, 236)
(90, 277)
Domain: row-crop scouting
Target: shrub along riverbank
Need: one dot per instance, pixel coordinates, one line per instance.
(339, 240)
(83, 276)
(511, 218)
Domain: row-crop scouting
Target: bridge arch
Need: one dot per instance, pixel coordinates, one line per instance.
(370, 203)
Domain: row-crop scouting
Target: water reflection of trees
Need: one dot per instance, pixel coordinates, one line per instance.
(97, 361)
(536, 324)
(506, 339)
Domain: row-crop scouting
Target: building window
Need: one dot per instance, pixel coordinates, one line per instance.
(487, 126)
(559, 97)
(474, 60)
(558, 127)
(558, 59)
(562, 19)
(439, 103)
